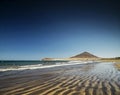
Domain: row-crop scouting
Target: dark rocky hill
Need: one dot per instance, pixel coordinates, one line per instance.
(85, 55)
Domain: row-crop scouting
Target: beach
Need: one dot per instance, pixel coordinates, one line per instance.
(80, 79)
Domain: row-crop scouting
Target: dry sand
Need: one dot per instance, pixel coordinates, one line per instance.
(87, 79)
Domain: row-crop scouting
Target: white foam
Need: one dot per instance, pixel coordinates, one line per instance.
(39, 66)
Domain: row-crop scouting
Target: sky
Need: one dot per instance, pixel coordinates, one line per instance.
(34, 29)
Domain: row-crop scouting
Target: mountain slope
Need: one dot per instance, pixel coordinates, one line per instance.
(84, 55)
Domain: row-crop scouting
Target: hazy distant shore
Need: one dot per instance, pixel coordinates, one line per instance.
(82, 79)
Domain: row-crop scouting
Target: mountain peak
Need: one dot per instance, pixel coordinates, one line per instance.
(85, 55)
(85, 52)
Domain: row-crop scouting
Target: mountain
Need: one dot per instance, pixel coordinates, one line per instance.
(84, 55)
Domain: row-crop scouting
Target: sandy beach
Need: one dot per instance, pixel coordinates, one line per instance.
(80, 79)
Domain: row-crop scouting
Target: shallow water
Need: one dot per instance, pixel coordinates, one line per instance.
(24, 65)
(80, 79)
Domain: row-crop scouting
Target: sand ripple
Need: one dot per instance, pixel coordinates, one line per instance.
(88, 79)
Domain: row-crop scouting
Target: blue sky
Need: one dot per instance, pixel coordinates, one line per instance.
(29, 31)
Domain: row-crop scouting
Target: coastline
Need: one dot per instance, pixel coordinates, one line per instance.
(80, 79)
(30, 65)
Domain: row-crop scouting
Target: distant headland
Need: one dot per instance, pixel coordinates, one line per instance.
(84, 56)
(81, 56)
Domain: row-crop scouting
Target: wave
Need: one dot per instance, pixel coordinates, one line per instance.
(39, 66)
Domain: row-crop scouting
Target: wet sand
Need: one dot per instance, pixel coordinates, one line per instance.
(87, 79)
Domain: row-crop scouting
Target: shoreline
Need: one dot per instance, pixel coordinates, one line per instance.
(85, 79)
(40, 66)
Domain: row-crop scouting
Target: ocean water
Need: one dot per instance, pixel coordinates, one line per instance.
(22, 65)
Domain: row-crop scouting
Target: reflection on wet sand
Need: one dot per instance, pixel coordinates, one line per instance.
(117, 65)
(87, 79)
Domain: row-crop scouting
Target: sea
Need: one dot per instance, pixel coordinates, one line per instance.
(24, 65)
